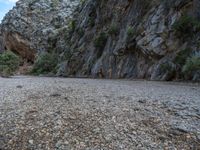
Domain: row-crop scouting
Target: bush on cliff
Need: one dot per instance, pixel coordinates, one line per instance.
(9, 63)
(181, 56)
(100, 40)
(130, 33)
(191, 67)
(45, 63)
(186, 26)
(114, 29)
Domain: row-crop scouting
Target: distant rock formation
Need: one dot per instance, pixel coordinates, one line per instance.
(28, 26)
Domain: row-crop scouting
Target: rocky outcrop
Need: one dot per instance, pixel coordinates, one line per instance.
(111, 38)
(28, 25)
(140, 39)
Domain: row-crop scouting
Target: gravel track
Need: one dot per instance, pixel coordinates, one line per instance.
(41, 113)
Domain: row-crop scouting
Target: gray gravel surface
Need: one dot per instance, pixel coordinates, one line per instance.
(40, 113)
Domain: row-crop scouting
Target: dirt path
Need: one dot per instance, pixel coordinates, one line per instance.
(86, 114)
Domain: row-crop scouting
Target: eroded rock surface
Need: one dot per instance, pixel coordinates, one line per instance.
(57, 113)
(140, 39)
(27, 27)
(109, 38)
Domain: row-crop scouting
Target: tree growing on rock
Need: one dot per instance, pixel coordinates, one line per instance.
(9, 63)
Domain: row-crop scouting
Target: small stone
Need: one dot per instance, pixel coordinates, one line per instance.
(143, 101)
(66, 98)
(179, 130)
(55, 95)
(19, 86)
(31, 142)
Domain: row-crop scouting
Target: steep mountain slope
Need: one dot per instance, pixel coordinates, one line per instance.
(157, 39)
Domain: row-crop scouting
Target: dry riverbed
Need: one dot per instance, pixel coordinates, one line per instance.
(39, 113)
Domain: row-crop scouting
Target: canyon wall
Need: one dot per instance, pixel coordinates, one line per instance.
(157, 40)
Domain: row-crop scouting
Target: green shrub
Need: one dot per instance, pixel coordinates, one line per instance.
(113, 29)
(83, 2)
(182, 56)
(192, 65)
(166, 67)
(9, 63)
(130, 32)
(186, 25)
(45, 63)
(72, 25)
(80, 32)
(91, 21)
(54, 3)
(92, 16)
(100, 40)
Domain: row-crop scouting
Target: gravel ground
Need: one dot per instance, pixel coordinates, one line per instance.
(40, 113)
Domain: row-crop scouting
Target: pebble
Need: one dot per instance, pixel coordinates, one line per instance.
(31, 142)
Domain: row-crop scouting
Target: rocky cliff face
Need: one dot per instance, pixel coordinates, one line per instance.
(111, 38)
(27, 26)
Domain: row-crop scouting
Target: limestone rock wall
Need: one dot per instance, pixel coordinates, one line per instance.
(140, 39)
(108, 38)
(28, 25)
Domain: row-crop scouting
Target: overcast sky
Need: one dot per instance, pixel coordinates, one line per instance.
(5, 6)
